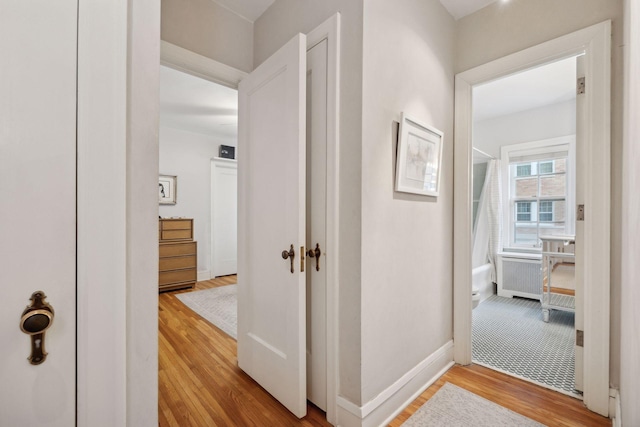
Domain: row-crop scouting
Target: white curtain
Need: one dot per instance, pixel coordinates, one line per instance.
(487, 234)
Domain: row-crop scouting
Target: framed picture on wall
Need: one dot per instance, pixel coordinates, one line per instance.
(418, 158)
(167, 189)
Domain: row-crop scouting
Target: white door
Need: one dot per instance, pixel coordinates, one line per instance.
(224, 217)
(316, 224)
(38, 41)
(271, 224)
(580, 170)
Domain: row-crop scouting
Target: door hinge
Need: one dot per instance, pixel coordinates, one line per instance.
(579, 338)
(581, 86)
(580, 213)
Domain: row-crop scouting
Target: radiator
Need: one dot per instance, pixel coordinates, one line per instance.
(519, 276)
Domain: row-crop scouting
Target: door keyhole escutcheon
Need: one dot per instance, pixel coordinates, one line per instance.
(291, 254)
(35, 320)
(315, 253)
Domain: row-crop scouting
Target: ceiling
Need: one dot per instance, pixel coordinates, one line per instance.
(197, 105)
(461, 8)
(253, 9)
(535, 88)
(248, 9)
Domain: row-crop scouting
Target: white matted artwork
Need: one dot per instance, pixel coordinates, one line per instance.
(167, 187)
(419, 158)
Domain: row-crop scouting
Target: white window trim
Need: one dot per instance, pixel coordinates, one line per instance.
(537, 146)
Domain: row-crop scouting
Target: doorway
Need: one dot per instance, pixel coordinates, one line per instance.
(593, 136)
(324, 37)
(524, 171)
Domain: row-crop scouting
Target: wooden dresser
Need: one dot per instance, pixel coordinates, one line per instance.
(178, 254)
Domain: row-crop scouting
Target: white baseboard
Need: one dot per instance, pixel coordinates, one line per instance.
(204, 275)
(614, 408)
(391, 401)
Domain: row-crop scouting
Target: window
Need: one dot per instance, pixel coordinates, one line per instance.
(538, 190)
(546, 211)
(523, 211)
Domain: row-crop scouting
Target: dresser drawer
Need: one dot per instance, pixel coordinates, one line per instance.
(176, 234)
(176, 224)
(177, 276)
(177, 249)
(177, 263)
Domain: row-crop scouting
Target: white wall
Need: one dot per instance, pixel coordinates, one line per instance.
(206, 28)
(504, 28)
(407, 270)
(537, 124)
(630, 315)
(188, 156)
(283, 20)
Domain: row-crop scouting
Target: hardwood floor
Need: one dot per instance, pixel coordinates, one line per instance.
(200, 383)
(545, 406)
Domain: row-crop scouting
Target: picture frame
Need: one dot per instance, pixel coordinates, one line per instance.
(419, 158)
(167, 189)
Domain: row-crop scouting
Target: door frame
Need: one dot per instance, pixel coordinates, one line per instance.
(596, 42)
(200, 66)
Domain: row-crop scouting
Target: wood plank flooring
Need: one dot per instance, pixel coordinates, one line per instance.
(201, 385)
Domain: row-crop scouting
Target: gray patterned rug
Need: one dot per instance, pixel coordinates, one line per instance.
(218, 305)
(510, 335)
(453, 406)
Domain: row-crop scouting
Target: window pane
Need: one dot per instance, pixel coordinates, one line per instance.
(560, 165)
(526, 234)
(525, 211)
(553, 185)
(526, 187)
(546, 167)
(523, 170)
(552, 228)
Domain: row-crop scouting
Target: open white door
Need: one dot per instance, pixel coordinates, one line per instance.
(38, 44)
(271, 221)
(581, 169)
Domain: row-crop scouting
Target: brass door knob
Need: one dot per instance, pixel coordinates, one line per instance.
(35, 320)
(290, 254)
(315, 253)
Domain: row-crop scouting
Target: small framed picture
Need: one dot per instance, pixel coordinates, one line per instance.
(419, 158)
(167, 189)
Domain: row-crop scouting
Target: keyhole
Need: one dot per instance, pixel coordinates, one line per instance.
(38, 341)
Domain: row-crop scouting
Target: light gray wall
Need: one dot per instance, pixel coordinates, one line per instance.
(537, 124)
(281, 22)
(206, 28)
(630, 315)
(188, 156)
(504, 28)
(407, 271)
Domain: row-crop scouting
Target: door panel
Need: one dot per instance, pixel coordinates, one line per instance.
(271, 206)
(38, 214)
(581, 162)
(224, 217)
(316, 224)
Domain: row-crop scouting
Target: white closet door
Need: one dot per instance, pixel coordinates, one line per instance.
(38, 47)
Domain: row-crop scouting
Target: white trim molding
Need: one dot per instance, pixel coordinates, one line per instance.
(382, 409)
(595, 42)
(200, 66)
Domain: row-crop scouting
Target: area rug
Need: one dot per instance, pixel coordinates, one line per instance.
(218, 305)
(453, 406)
(510, 335)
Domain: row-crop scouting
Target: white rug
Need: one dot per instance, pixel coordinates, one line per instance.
(453, 406)
(218, 305)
